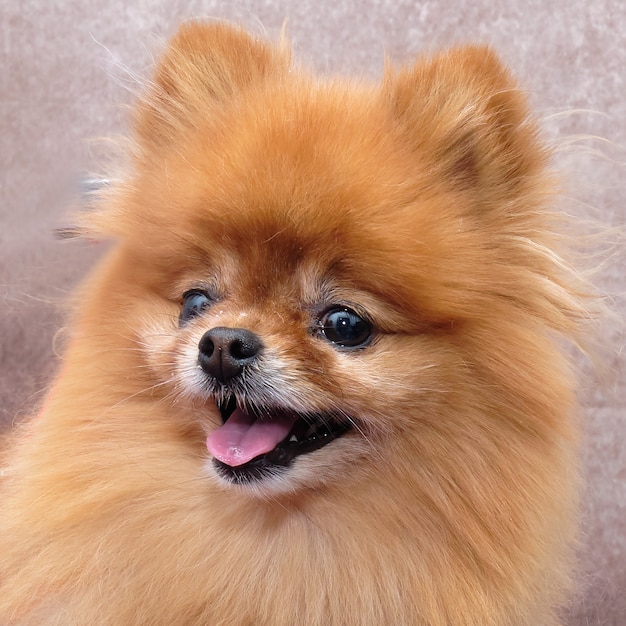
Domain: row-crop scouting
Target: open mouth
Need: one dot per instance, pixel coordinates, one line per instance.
(254, 444)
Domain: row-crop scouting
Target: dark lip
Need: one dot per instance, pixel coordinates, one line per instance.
(311, 432)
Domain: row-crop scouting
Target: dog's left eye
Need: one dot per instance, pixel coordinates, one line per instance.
(345, 328)
(195, 302)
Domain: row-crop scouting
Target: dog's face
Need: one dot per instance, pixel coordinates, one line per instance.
(281, 314)
(307, 266)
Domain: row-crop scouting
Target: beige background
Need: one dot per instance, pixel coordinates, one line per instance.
(67, 69)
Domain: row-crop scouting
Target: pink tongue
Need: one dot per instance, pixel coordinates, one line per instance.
(244, 437)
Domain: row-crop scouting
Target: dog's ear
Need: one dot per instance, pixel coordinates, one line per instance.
(205, 65)
(463, 116)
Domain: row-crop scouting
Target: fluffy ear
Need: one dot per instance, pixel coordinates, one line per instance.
(205, 63)
(463, 114)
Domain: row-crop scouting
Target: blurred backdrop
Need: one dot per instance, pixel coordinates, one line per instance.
(69, 69)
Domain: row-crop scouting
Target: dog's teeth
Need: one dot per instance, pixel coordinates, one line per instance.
(293, 439)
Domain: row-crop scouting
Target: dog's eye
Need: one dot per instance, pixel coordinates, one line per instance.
(195, 302)
(343, 327)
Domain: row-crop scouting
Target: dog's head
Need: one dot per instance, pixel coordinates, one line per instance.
(321, 271)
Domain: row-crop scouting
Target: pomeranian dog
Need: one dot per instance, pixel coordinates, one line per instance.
(321, 376)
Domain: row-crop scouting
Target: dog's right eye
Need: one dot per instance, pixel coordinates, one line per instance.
(195, 302)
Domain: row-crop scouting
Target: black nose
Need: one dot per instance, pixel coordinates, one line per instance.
(224, 352)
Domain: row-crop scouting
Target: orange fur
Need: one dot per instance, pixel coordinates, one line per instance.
(422, 202)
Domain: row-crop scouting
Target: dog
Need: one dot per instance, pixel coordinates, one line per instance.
(320, 375)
